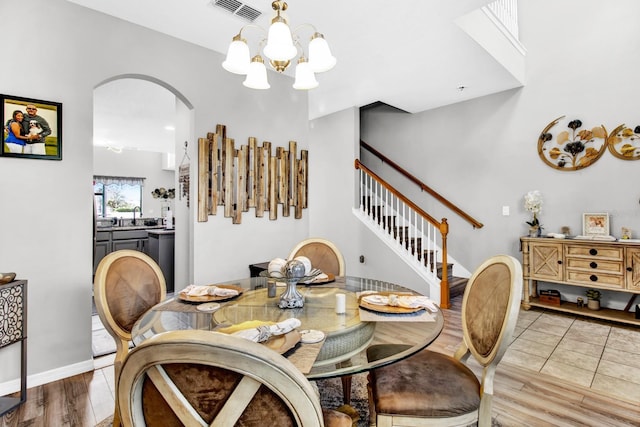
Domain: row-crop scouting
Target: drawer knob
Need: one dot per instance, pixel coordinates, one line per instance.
(593, 264)
(559, 261)
(629, 269)
(593, 278)
(593, 251)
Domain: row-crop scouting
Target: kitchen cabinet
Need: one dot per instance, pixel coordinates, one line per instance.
(129, 239)
(589, 264)
(161, 250)
(102, 247)
(115, 239)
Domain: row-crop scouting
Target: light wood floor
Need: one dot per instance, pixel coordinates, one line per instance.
(522, 397)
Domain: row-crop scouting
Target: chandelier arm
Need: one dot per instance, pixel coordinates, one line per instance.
(295, 31)
(296, 43)
(264, 32)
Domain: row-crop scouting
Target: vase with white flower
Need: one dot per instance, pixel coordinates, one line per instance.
(533, 203)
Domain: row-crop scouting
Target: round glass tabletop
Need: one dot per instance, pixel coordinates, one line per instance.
(347, 335)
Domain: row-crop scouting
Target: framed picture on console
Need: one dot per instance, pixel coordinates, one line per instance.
(32, 128)
(595, 224)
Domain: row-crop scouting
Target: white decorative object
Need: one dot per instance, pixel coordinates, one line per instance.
(341, 303)
(168, 220)
(275, 267)
(533, 203)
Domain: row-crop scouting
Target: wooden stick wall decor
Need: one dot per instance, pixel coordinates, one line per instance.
(249, 177)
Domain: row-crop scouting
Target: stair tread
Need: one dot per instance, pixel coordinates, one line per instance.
(457, 286)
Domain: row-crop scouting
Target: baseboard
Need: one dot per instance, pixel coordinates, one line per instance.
(41, 378)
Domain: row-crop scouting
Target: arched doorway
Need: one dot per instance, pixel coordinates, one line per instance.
(140, 126)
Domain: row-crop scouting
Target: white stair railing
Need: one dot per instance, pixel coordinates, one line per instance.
(411, 232)
(506, 11)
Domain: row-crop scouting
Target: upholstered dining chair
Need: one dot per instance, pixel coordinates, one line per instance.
(127, 284)
(431, 388)
(196, 377)
(323, 255)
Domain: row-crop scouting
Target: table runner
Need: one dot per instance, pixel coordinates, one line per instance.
(420, 316)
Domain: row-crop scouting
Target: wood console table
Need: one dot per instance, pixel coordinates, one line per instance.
(13, 330)
(613, 266)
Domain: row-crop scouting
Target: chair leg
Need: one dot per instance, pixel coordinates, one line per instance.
(346, 382)
(372, 407)
(116, 417)
(346, 389)
(484, 412)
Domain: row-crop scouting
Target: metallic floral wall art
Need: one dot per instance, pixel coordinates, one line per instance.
(624, 142)
(574, 148)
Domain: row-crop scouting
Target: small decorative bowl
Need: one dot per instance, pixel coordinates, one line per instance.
(7, 278)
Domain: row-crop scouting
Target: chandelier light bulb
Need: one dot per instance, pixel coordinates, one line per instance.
(257, 74)
(305, 78)
(320, 58)
(238, 57)
(279, 42)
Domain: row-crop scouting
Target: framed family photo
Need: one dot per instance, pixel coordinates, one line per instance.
(595, 224)
(32, 128)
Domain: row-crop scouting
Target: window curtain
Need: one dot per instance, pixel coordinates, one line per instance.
(108, 180)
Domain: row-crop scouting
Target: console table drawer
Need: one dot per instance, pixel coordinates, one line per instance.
(595, 252)
(595, 279)
(595, 265)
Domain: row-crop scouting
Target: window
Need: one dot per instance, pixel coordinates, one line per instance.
(117, 197)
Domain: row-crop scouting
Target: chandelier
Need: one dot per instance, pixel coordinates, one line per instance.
(281, 46)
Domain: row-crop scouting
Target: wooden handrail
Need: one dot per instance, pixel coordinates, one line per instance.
(442, 226)
(422, 185)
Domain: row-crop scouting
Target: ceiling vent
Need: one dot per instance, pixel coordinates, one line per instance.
(238, 8)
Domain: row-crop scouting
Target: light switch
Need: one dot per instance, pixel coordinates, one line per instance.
(505, 211)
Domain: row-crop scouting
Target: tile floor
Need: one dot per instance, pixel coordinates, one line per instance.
(602, 356)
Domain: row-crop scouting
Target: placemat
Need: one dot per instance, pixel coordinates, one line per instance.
(420, 316)
(174, 304)
(304, 355)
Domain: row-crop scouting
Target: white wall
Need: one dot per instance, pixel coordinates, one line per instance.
(482, 154)
(334, 146)
(47, 205)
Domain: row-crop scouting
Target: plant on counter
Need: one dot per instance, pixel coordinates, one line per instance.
(163, 193)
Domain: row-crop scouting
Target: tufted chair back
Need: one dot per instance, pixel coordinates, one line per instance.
(431, 388)
(127, 284)
(323, 254)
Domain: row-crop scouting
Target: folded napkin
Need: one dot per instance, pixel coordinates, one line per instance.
(193, 291)
(406, 301)
(319, 277)
(264, 332)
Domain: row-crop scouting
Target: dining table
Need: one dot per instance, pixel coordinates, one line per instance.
(346, 335)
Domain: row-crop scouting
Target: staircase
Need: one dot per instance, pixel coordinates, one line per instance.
(412, 234)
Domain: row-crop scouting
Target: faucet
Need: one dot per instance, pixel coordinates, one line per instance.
(134, 214)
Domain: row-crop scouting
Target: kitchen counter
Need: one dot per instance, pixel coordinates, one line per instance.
(130, 227)
(162, 231)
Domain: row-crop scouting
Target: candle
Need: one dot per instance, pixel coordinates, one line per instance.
(341, 303)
